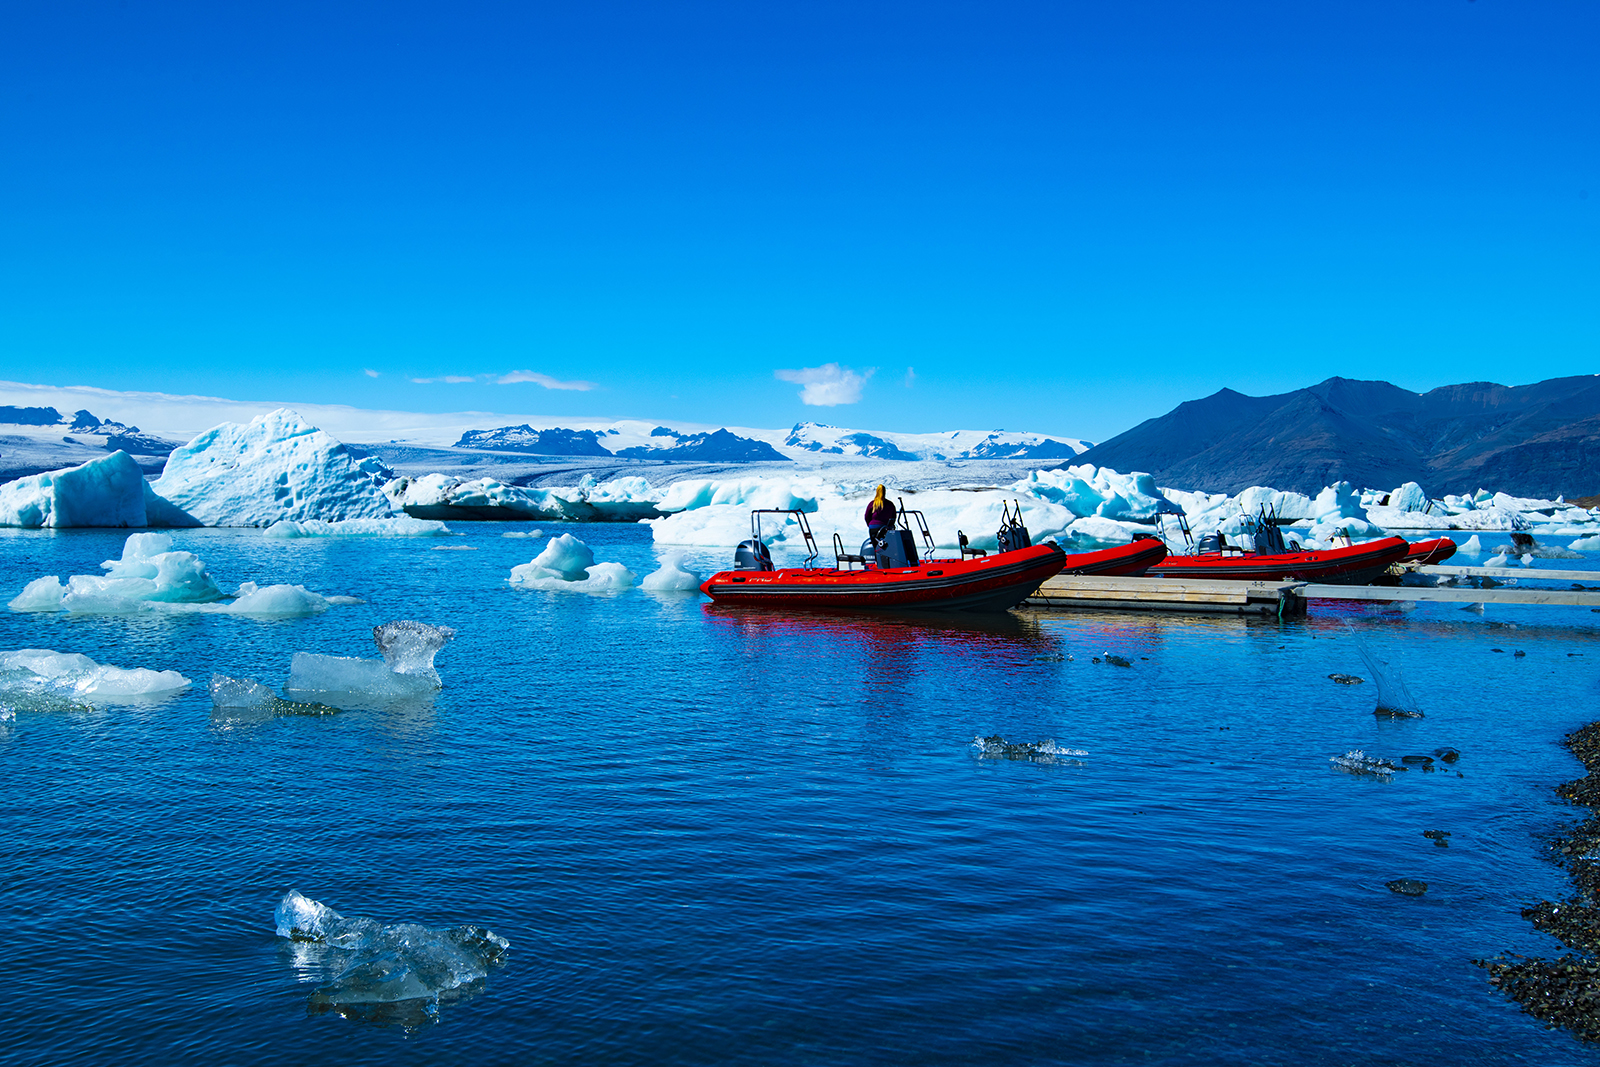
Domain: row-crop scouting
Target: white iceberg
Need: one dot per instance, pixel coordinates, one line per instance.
(46, 671)
(399, 526)
(110, 491)
(568, 565)
(440, 496)
(276, 467)
(1586, 544)
(673, 577)
(405, 670)
(151, 575)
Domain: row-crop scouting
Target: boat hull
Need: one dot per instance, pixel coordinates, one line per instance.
(1427, 553)
(989, 583)
(1127, 561)
(1355, 565)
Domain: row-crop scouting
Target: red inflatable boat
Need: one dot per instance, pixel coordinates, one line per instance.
(898, 579)
(1355, 565)
(1427, 553)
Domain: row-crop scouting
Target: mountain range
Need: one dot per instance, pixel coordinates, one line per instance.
(1530, 440)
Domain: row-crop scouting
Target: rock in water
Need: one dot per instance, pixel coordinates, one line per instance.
(1347, 679)
(1409, 887)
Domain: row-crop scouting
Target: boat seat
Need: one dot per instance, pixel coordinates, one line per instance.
(967, 550)
(844, 560)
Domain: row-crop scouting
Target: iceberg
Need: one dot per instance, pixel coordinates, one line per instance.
(1586, 544)
(243, 694)
(109, 491)
(390, 973)
(151, 575)
(568, 565)
(401, 526)
(406, 669)
(46, 672)
(440, 496)
(673, 577)
(276, 467)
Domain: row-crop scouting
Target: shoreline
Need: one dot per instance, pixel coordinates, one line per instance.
(1565, 991)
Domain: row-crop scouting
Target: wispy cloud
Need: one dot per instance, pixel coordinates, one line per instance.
(911, 377)
(503, 379)
(543, 379)
(828, 385)
(370, 373)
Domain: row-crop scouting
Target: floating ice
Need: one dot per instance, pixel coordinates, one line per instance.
(524, 533)
(276, 467)
(1356, 761)
(1499, 559)
(567, 565)
(1471, 546)
(1047, 751)
(392, 973)
(400, 526)
(45, 671)
(108, 491)
(1393, 699)
(243, 694)
(1586, 544)
(673, 577)
(150, 575)
(440, 496)
(405, 670)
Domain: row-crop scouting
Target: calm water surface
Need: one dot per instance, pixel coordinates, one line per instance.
(724, 837)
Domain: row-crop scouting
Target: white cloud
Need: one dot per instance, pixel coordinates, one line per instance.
(828, 385)
(370, 373)
(449, 379)
(544, 380)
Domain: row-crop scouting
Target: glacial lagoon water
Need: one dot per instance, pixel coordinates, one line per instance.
(720, 837)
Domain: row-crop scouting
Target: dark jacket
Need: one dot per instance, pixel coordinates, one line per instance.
(883, 516)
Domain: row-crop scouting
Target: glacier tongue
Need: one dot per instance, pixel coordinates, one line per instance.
(277, 467)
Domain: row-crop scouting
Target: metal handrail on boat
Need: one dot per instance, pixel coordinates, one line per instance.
(805, 529)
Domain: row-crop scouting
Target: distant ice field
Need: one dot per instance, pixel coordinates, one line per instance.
(725, 837)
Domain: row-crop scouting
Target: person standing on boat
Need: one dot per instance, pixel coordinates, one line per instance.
(880, 516)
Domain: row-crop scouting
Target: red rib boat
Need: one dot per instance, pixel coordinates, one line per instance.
(894, 578)
(1427, 553)
(1355, 565)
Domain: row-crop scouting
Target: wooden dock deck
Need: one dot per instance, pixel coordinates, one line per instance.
(1079, 592)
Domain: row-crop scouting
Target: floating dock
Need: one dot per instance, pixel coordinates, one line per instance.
(1077, 592)
(1080, 592)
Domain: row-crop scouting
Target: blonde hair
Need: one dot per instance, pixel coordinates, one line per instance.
(880, 498)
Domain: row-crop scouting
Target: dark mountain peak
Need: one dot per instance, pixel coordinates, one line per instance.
(1530, 440)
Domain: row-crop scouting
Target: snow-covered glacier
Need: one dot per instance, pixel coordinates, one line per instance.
(276, 467)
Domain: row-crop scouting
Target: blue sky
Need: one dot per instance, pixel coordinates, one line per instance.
(1050, 216)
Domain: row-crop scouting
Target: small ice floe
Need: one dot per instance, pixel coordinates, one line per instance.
(400, 526)
(244, 695)
(1476, 608)
(567, 565)
(1047, 751)
(44, 678)
(152, 576)
(1356, 761)
(393, 974)
(1394, 701)
(1586, 544)
(405, 670)
(524, 533)
(1470, 547)
(1499, 559)
(673, 577)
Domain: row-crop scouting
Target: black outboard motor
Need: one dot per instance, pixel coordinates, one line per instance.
(1012, 534)
(752, 555)
(896, 549)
